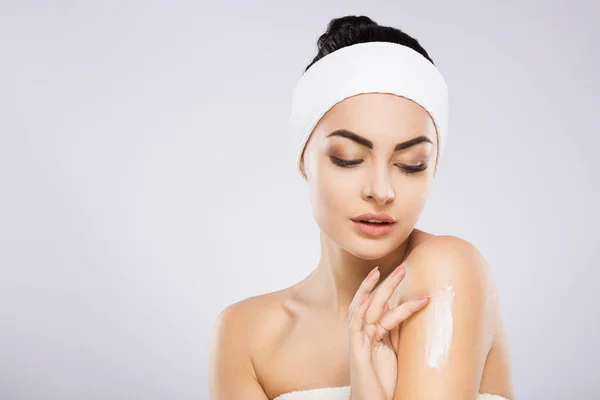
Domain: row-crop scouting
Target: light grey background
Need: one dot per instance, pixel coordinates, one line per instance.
(147, 181)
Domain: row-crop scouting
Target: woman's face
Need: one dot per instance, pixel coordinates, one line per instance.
(354, 165)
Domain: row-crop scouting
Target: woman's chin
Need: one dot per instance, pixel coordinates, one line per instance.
(371, 250)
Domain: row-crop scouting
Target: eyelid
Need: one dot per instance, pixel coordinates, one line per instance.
(359, 160)
(345, 158)
(345, 162)
(415, 162)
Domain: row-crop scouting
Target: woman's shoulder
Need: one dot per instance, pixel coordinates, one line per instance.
(256, 317)
(250, 310)
(447, 255)
(242, 330)
(450, 263)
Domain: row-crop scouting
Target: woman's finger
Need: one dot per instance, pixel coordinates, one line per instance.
(359, 344)
(395, 316)
(355, 324)
(380, 331)
(366, 287)
(383, 294)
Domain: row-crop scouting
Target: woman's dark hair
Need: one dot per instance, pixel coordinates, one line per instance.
(346, 31)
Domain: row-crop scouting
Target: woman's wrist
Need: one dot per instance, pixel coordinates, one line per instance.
(365, 385)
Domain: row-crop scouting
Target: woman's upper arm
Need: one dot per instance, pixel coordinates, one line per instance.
(463, 323)
(232, 374)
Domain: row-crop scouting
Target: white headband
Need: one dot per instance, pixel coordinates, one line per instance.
(373, 67)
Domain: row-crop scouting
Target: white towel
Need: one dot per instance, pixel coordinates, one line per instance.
(331, 393)
(343, 393)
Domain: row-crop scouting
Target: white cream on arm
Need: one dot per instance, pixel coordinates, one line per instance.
(439, 328)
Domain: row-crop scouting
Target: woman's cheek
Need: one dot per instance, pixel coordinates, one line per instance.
(413, 199)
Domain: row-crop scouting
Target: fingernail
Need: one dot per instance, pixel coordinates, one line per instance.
(372, 273)
(398, 269)
(423, 297)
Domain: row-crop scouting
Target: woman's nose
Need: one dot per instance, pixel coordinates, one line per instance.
(379, 187)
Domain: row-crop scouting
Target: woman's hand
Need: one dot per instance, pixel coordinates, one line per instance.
(373, 360)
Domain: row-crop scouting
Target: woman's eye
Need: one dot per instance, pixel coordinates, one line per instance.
(344, 163)
(410, 169)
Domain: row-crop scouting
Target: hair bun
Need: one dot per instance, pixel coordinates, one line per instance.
(352, 29)
(347, 23)
(343, 31)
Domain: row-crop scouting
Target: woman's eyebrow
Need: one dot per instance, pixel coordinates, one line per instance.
(367, 143)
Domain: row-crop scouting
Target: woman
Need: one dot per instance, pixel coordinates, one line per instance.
(390, 311)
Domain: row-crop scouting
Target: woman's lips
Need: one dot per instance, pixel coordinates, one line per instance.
(373, 230)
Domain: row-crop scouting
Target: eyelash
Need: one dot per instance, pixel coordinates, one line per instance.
(408, 169)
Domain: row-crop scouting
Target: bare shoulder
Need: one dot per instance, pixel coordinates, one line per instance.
(241, 330)
(449, 262)
(450, 248)
(252, 318)
(447, 259)
(478, 357)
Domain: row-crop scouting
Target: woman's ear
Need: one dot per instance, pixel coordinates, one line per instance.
(302, 171)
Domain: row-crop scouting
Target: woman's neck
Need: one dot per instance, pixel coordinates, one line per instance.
(334, 282)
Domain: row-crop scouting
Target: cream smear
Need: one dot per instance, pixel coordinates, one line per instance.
(439, 328)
